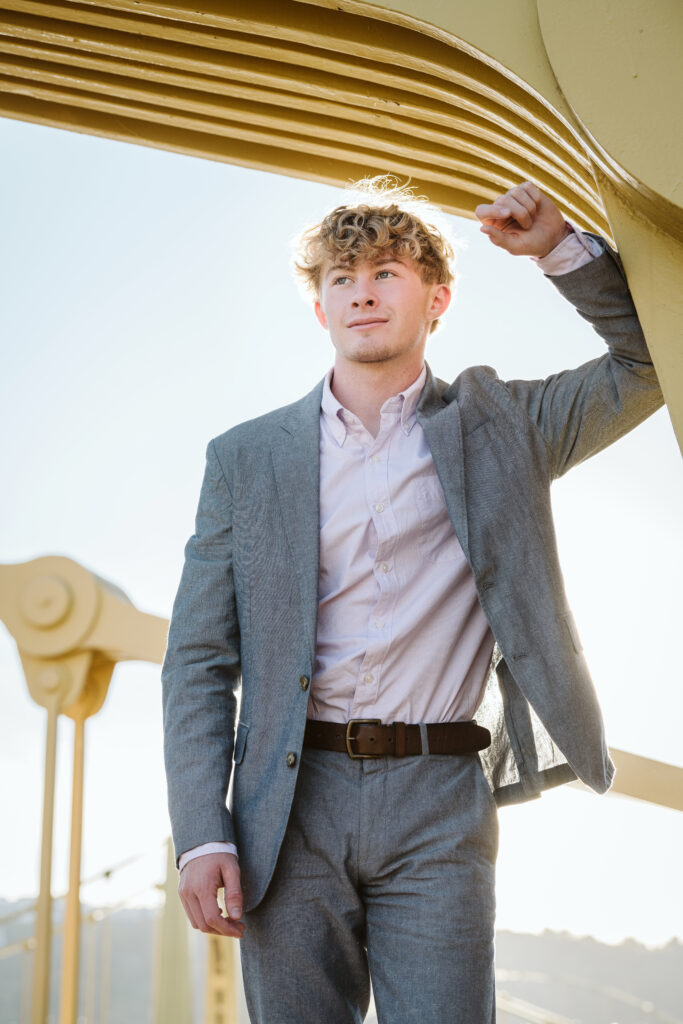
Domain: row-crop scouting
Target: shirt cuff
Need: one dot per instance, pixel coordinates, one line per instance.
(572, 252)
(203, 850)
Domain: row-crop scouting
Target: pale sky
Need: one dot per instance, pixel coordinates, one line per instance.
(146, 306)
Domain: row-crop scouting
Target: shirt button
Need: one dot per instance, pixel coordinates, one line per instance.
(379, 624)
(291, 759)
(303, 682)
(379, 507)
(374, 458)
(384, 567)
(368, 677)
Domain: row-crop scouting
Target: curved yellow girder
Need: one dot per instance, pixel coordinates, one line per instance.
(464, 98)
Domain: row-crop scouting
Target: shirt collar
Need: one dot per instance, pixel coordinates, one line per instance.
(411, 396)
(337, 417)
(333, 411)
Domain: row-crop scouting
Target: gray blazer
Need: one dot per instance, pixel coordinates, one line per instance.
(247, 602)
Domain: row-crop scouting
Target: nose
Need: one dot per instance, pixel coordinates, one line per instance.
(364, 296)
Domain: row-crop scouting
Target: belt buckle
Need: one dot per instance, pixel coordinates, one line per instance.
(349, 738)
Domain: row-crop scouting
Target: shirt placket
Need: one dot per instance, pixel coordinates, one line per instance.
(382, 514)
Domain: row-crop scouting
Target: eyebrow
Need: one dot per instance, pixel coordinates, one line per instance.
(376, 263)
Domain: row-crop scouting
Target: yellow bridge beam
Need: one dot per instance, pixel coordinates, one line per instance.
(465, 98)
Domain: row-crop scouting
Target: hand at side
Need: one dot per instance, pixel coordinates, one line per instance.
(200, 880)
(524, 221)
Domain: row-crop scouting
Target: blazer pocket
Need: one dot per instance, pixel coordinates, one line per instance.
(482, 434)
(240, 742)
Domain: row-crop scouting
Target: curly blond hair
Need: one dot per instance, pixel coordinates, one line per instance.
(383, 218)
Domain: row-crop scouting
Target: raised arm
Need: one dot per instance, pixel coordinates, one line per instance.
(582, 410)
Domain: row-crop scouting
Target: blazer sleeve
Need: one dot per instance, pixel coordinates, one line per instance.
(201, 673)
(581, 411)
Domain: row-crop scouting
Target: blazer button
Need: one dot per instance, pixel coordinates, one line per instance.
(303, 682)
(291, 759)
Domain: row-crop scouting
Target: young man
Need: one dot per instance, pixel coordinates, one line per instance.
(377, 564)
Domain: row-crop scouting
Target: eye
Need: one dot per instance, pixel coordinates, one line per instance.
(383, 274)
(340, 280)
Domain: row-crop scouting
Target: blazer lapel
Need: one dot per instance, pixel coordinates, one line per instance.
(296, 461)
(440, 421)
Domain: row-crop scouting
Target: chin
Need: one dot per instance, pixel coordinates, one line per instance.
(377, 356)
(374, 350)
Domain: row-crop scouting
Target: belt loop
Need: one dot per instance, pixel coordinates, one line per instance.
(399, 739)
(424, 738)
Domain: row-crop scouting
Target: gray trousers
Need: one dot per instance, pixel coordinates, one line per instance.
(386, 872)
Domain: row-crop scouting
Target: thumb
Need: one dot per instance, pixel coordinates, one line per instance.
(233, 891)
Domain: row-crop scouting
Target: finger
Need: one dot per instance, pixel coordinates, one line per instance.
(211, 921)
(216, 924)
(528, 195)
(197, 914)
(502, 223)
(524, 194)
(494, 234)
(485, 212)
(188, 910)
(494, 213)
(520, 194)
(507, 240)
(511, 206)
(532, 190)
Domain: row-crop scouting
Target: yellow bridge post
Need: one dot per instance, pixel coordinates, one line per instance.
(221, 1002)
(172, 983)
(71, 628)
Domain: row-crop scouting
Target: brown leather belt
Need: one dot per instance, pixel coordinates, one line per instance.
(367, 737)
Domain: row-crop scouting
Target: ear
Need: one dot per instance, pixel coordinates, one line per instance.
(319, 312)
(441, 300)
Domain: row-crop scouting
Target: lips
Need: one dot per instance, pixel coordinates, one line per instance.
(367, 323)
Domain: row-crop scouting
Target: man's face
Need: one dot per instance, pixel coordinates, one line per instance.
(378, 311)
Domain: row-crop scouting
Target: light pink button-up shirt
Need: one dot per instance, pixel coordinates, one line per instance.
(401, 633)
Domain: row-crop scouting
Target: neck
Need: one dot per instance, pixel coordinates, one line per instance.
(363, 388)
